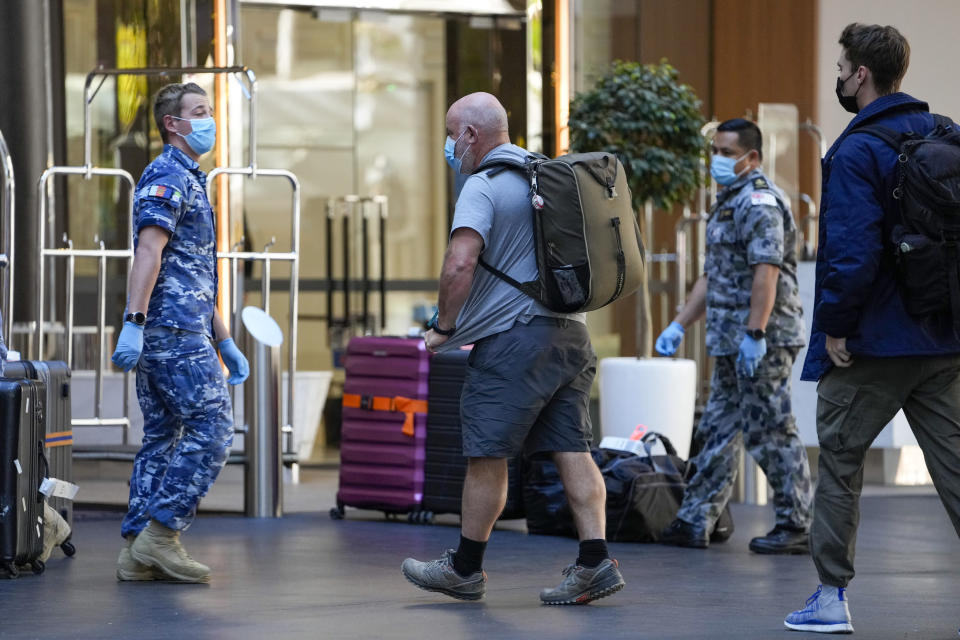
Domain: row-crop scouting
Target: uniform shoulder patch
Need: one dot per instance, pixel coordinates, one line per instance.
(758, 198)
(163, 192)
(760, 183)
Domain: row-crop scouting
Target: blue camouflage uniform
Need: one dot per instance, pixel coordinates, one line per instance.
(187, 416)
(750, 224)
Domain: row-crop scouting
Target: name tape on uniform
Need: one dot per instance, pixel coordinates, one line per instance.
(763, 199)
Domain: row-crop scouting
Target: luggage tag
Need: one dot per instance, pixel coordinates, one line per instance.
(55, 488)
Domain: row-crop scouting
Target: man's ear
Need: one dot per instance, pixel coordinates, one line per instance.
(473, 133)
(169, 125)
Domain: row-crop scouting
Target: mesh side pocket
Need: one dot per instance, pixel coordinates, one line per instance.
(568, 285)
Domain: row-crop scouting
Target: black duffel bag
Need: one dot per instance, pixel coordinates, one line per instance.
(644, 493)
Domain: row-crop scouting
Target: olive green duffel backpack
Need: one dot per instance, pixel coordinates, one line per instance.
(589, 251)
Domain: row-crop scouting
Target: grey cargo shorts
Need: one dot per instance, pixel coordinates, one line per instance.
(528, 389)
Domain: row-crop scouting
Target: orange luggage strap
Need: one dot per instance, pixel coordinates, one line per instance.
(407, 406)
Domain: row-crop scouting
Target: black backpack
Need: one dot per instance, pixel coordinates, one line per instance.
(589, 250)
(926, 243)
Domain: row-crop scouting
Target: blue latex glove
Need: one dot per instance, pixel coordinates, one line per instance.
(129, 346)
(235, 361)
(670, 339)
(751, 352)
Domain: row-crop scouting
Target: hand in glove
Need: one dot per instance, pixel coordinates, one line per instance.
(670, 339)
(129, 346)
(751, 352)
(235, 361)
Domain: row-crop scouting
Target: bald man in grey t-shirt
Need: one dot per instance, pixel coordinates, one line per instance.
(528, 376)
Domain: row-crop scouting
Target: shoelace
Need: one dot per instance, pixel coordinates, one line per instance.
(814, 597)
(569, 569)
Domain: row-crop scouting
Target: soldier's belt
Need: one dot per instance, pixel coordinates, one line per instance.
(407, 406)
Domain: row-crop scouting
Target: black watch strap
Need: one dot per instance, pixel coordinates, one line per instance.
(139, 318)
(444, 332)
(435, 327)
(756, 334)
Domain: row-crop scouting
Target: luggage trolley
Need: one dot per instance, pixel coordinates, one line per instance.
(7, 223)
(346, 209)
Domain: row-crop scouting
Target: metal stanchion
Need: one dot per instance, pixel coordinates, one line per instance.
(263, 474)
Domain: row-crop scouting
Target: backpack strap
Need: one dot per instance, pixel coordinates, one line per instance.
(492, 168)
(942, 121)
(499, 165)
(892, 138)
(531, 288)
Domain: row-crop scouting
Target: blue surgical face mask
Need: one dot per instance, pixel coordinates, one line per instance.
(449, 148)
(722, 169)
(203, 136)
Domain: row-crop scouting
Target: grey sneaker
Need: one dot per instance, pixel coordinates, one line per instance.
(439, 575)
(584, 584)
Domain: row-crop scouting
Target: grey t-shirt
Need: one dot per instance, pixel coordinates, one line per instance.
(498, 208)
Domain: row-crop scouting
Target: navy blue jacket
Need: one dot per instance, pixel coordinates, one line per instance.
(856, 294)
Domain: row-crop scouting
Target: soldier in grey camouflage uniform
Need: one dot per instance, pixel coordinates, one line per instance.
(749, 295)
(168, 335)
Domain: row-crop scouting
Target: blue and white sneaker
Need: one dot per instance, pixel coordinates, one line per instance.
(826, 612)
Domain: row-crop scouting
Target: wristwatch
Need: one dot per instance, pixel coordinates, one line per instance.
(433, 325)
(756, 334)
(139, 318)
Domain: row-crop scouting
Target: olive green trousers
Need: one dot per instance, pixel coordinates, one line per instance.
(853, 406)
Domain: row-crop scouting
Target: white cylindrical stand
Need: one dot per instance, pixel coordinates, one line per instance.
(263, 472)
(657, 393)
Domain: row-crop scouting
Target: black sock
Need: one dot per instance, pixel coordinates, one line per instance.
(592, 552)
(469, 556)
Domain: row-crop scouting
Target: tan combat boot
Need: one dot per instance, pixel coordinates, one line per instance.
(129, 570)
(55, 531)
(159, 547)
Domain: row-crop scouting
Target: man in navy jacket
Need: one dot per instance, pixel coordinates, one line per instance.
(871, 358)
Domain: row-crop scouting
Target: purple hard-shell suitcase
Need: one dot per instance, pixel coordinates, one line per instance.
(381, 467)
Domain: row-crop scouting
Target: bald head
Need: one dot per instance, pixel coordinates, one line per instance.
(478, 123)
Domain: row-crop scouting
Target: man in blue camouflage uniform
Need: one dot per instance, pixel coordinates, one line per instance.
(749, 295)
(171, 321)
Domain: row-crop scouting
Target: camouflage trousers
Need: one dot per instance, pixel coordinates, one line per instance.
(754, 413)
(187, 428)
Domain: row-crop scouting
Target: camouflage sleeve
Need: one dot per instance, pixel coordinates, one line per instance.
(160, 202)
(762, 230)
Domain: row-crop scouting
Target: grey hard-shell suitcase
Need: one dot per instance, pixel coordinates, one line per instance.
(58, 440)
(22, 468)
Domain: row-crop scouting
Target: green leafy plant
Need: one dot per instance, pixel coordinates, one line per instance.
(651, 121)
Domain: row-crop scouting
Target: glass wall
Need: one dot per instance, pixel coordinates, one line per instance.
(353, 103)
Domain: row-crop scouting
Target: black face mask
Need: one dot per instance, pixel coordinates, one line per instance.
(849, 103)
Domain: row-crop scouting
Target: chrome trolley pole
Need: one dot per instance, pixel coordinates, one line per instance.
(7, 220)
